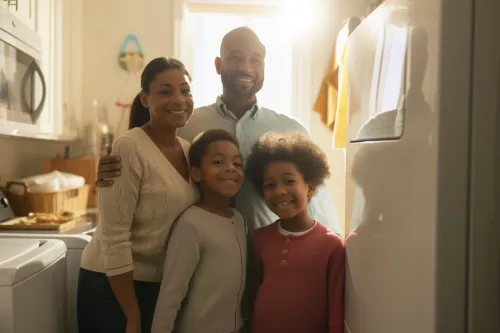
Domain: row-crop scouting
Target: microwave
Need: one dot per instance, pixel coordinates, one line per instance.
(23, 89)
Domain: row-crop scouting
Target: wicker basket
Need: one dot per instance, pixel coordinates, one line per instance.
(68, 200)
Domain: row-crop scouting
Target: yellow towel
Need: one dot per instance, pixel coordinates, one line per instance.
(326, 101)
(340, 128)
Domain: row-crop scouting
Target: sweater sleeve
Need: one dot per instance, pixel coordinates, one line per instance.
(183, 255)
(117, 206)
(336, 289)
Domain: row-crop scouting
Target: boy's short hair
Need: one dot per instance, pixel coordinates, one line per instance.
(201, 141)
(310, 160)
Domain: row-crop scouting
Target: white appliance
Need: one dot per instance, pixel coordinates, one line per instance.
(74, 245)
(423, 175)
(23, 89)
(32, 286)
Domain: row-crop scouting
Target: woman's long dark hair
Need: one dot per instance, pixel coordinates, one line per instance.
(139, 115)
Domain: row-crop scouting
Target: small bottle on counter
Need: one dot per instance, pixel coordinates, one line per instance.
(92, 133)
(98, 133)
(105, 131)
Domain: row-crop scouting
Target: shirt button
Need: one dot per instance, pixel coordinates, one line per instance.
(284, 262)
(288, 240)
(285, 251)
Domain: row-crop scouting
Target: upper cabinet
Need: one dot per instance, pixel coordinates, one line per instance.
(24, 10)
(58, 23)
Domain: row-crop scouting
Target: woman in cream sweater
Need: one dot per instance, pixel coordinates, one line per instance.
(121, 268)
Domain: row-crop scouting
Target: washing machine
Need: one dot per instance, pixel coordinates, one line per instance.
(32, 286)
(75, 241)
(74, 245)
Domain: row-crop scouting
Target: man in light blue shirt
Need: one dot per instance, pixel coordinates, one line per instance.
(241, 67)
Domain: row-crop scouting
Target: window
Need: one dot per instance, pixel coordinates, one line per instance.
(377, 70)
(208, 31)
(391, 68)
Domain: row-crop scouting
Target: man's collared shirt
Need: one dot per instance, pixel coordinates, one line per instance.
(254, 123)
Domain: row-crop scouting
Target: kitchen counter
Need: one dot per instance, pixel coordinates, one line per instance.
(84, 226)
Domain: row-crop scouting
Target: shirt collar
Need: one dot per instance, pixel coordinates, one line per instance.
(223, 109)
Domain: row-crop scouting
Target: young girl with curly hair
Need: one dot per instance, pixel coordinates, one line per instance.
(297, 271)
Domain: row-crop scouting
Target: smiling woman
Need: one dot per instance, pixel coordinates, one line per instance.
(140, 111)
(121, 268)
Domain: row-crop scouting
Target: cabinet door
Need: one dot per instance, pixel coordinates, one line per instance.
(24, 11)
(59, 25)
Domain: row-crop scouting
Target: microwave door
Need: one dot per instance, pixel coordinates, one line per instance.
(29, 87)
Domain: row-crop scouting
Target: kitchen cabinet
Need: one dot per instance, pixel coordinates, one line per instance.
(24, 10)
(71, 66)
(59, 24)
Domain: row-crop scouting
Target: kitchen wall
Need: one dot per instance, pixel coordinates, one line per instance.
(105, 26)
(20, 157)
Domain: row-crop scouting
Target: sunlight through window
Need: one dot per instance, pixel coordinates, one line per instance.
(298, 17)
(209, 29)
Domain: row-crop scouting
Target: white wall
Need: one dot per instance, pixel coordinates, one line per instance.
(105, 26)
(336, 158)
(21, 157)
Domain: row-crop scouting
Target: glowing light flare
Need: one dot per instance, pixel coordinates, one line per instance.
(298, 16)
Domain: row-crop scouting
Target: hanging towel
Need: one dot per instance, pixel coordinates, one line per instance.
(326, 101)
(340, 126)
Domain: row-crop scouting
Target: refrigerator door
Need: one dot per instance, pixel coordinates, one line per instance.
(408, 164)
(483, 278)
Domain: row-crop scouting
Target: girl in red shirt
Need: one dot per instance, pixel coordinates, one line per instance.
(296, 280)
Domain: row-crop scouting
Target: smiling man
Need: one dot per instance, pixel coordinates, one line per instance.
(241, 67)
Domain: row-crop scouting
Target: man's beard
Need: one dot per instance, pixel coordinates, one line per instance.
(239, 91)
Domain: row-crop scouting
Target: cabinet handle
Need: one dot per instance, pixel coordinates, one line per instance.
(11, 3)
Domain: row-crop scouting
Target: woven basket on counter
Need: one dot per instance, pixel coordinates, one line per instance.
(73, 200)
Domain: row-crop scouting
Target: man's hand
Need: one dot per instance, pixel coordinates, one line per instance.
(109, 167)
